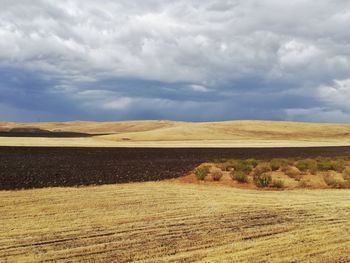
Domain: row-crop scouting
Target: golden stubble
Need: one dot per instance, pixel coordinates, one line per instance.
(174, 222)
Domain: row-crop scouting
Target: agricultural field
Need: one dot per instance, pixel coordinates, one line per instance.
(174, 134)
(171, 221)
(174, 192)
(35, 167)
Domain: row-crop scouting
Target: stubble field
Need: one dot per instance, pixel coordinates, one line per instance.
(174, 222)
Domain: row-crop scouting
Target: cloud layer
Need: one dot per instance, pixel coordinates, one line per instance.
(184, 60)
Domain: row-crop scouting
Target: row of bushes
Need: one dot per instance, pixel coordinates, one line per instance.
(259, 170)
(289, 166)
(320, 163)
(260, 178)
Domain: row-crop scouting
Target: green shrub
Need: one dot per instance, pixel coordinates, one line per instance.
(277, 183)
(253, 162)
(216, 174)
(243, 166)
(262, 180)
(292, 172)
(261, 168)
(239, 176)
(324, 164)
(278, 163)
(201, 172)
(307, 165)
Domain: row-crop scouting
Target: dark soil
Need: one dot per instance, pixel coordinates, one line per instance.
(36, 132)
(36, 167)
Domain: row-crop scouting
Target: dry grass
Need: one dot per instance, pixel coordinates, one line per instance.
(172, 222)
(188, 134)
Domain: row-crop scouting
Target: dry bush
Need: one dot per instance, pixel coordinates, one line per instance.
(303, 183)
(314, 182)
(277, 183)
(262, 168)
(346, 173)
(216, 174)
(338, 165)
(292, 172)
(239, 176)
(278, 163)
(334, 180)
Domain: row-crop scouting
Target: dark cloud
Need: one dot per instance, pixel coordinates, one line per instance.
(184, 60)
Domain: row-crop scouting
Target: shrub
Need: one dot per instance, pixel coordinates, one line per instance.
(338, 165)
(346, 173)
(262, 180)
(216, 174)
(262, 168)
(243, 166)
(304, 183)
(201, 172)
(324, 164)
(252, 162)
(277, 184)
(334, 180)
(278, 163)
(240, 177)
(292, 172)
(307, 165)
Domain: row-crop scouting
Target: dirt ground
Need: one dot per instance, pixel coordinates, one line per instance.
(33, 167)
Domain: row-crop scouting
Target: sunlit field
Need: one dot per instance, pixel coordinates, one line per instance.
(171, 221)
(185, 134)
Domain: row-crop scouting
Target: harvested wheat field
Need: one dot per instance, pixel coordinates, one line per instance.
(174, 222)
(175, 134)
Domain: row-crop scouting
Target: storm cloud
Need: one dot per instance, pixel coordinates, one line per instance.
(182, 60)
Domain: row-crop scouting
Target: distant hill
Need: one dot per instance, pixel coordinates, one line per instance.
(199, 133)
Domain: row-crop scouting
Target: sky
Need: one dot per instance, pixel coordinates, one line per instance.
(189, 60)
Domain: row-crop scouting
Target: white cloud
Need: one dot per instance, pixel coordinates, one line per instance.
(296, 54)
(337, 94)
(199, 88)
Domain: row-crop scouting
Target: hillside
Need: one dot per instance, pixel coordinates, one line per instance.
(182, 134)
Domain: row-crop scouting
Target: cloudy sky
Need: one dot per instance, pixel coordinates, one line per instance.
(198, 60)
